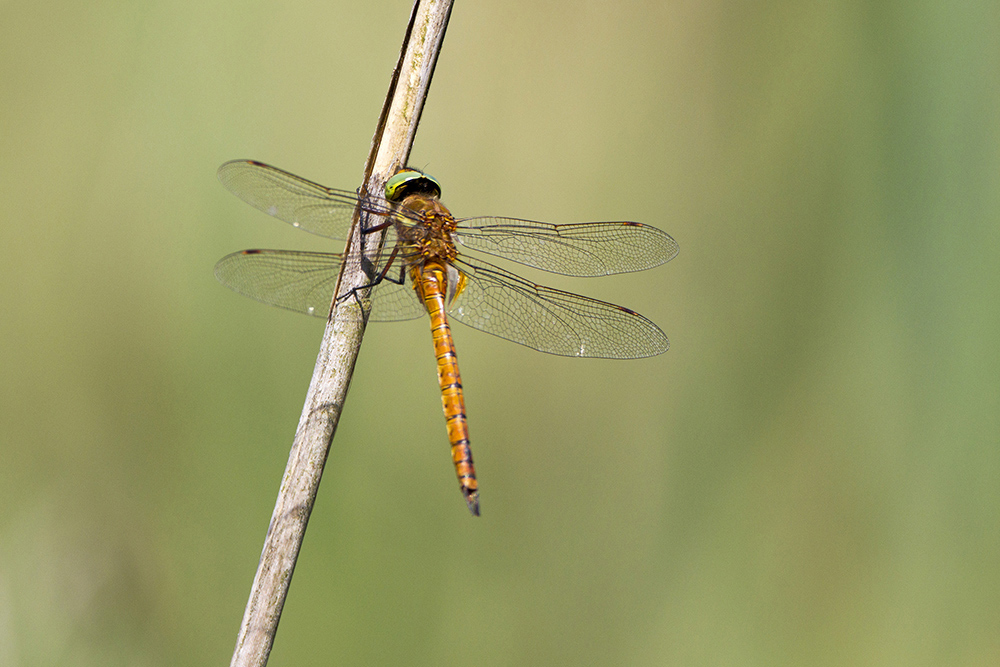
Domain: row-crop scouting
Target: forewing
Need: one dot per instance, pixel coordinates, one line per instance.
(579, 249)
(301, 203)
(550, 320)
(305, 282)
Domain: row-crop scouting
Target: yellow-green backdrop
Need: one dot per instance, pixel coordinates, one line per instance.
(810, 476)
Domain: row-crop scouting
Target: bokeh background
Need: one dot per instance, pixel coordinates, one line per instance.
(810, 476)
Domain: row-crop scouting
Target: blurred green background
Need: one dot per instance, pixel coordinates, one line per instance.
(810, 476)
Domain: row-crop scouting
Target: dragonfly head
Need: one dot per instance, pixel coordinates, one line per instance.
(411, 182)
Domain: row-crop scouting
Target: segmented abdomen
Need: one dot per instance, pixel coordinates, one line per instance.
(431, 283)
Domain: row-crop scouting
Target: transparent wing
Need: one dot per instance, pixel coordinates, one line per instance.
(301, 203)
(579, 249)
(305, 281)
(550, 320)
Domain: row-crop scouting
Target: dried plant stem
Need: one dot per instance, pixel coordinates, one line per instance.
(341, 343)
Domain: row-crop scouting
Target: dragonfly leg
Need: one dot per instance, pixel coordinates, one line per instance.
(383, 275)
(377, 228)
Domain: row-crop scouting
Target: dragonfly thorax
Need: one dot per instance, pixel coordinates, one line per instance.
(428, 229)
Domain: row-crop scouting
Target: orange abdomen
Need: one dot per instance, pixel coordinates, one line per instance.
(430, 282)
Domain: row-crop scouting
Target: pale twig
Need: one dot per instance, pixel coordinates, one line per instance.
(341, 343)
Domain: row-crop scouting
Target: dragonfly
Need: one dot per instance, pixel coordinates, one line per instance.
(424, 268)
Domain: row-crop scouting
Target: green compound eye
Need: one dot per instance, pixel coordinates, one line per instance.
(411, 181)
